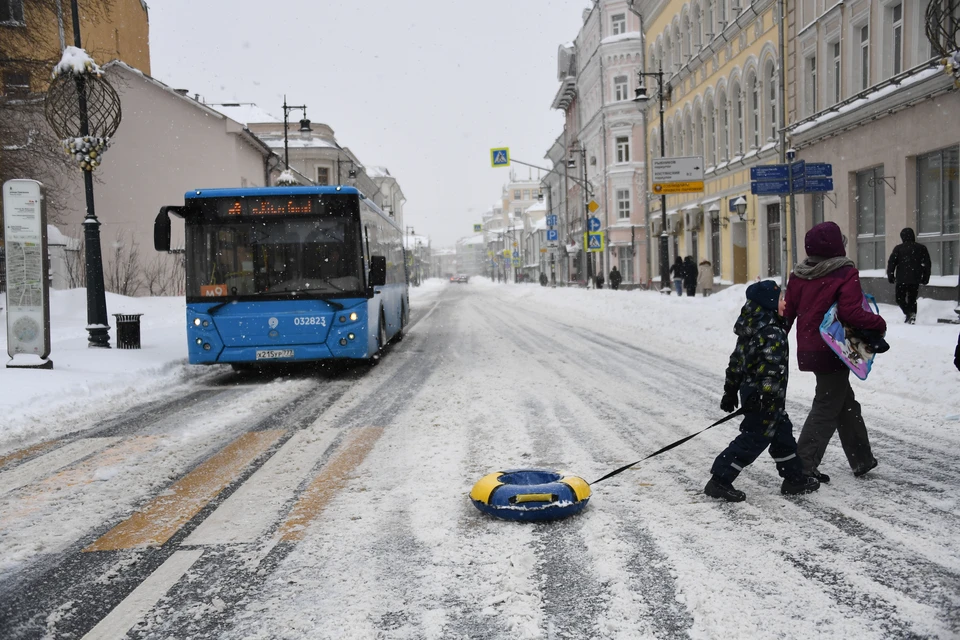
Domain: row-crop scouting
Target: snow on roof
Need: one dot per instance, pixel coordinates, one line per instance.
(294, 141)
(630, 35)
(244, 112)
(378, 172)
(76, 61)
(57, 238)
(539, 225)
(536, 207)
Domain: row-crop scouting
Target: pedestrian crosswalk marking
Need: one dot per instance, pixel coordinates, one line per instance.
(39, 468)
(163, 516)
(328, 482)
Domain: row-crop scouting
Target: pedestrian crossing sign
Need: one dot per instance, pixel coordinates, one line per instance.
(594, 241)
(500, 157)
(477, 228)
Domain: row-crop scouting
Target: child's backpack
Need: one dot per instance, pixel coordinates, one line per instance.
(855, 352)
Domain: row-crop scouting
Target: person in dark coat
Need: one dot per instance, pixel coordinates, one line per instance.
(908, 268)
(543, 279)
(599, 281)
(758, 374)
(690, 274)
(615, 278)
(677, 272)
(825, 277)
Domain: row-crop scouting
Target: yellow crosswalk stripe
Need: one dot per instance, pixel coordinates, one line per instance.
(159, 519)
(17, 456)
(328, 482)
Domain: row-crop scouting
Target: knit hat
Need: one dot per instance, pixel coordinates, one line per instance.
(765, 293)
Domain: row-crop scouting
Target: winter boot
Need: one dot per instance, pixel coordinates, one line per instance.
(822, 477)
(719, 489)
(806, 484)
(912, 318)
(864, 468)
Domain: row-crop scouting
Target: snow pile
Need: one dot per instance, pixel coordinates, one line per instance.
(286, 179)
(77, 62)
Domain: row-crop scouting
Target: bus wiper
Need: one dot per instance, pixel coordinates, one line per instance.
(327, 280)
(210, 310)
(333, 303)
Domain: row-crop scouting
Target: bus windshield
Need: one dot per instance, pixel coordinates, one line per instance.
(275, 256)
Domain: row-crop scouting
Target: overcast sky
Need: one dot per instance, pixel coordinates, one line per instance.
(423, 87)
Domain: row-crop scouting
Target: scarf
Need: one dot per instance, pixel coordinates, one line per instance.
(811, 268)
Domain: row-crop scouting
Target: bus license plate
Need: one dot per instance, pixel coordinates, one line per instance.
(270, 354)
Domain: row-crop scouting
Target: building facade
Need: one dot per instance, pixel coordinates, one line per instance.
(721, 102)
(867, 94)
(603, 140)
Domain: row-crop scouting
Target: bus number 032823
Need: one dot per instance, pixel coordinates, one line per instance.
(310, 320)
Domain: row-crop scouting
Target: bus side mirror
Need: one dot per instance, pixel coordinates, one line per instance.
(161, 227)
(378, 271)
(161, 231)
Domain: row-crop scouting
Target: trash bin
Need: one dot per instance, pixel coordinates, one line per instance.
(128, 330)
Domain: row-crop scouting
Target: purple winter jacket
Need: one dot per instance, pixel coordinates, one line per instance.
(807, 301)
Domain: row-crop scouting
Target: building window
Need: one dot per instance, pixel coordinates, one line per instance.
(623, 204)
(837, 72)
(625, 255)
(698, 132)
(811, 85)
(754, 112)
(620, 88)
(526, 194)
(323, 176)
(871, 219)
(864, 57)
(517, 212)
(619, 23)
(11, 12)
(623, 150)
(896, 20)
(15, 84)
(715, 242)
(817, 208)
(772, 99)
(712, 135)
(773, 240)
(723, 135)
(938, 207)
(708, 24)
(516, 194)
(721, 15)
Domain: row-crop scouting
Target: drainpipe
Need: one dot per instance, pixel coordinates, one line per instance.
(643, 120)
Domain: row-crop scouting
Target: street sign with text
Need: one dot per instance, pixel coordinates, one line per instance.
(770, 187)
(678, 187)
(819, 170)
(683, 169)
(818, 185)
(770, 172)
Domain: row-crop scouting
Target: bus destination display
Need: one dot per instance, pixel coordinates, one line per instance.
(270, 206)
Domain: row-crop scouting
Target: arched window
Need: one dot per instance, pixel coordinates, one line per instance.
(770, 75)
(754, 110)
(651, 60)
(698, 131)
(721, 15)
(696, 28)
(686, 39)
(654, 144)
(660, 54)
(677, 42)
(668, 53)
(736, 108)
(681, 138)
(708, 25)
(711, 140)
(723, 134)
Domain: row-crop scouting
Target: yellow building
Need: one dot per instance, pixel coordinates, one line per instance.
(31, 38)
(721, 75)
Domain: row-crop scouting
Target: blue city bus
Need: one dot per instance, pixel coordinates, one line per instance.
(288, 274)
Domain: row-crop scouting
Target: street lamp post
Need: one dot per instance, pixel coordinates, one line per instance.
(641, 100)
(586, 211)
(304, 126)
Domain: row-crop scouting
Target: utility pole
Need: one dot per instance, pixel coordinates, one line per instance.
(587, 258)
(641, 99)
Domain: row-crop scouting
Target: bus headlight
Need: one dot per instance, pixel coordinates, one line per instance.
(351, 336)
(196, 322)
(353, 315)
(199, 340)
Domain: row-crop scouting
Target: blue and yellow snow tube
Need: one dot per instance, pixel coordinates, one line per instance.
(530, 495)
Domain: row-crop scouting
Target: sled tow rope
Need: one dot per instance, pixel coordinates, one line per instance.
(738, 412)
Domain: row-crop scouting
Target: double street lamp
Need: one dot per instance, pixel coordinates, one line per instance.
(641, 99)
(304, 127)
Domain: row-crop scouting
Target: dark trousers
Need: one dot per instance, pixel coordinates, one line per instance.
(751, 442)
(907, 298)
(691, 291)
(835, 408)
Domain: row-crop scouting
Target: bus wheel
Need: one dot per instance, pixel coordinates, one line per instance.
(403, 323)
(381, 341)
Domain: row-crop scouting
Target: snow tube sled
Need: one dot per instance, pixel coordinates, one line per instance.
(854, 352)
(530, 495)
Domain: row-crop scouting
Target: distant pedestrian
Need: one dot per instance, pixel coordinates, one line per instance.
(676, 271)
(757, 376)
(956, 355)
(908, 268)
(543, 279)
(826, 277)
(599, 281)
(615, 278)
(690, 274)
(705, 278)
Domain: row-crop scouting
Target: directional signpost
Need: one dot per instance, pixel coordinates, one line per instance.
(785, 179)
(678, 175)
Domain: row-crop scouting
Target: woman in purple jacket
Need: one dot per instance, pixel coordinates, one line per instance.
(825, 277)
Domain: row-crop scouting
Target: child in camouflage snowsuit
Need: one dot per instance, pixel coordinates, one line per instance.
(758, 372)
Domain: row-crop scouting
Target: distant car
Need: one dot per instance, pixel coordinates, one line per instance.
(464, 278)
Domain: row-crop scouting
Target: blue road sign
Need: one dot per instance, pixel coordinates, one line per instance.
(553, 235)
(816, 185)
(551, 221)
(797, 169)
(770, 172)
(595, 242)
(770, 187)
(819, 170)
(516, 262)
(799, 184)
(593, 224)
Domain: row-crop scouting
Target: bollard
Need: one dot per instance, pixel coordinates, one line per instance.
(128, 330)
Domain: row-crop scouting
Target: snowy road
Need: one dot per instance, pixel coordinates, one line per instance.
(334, 505)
